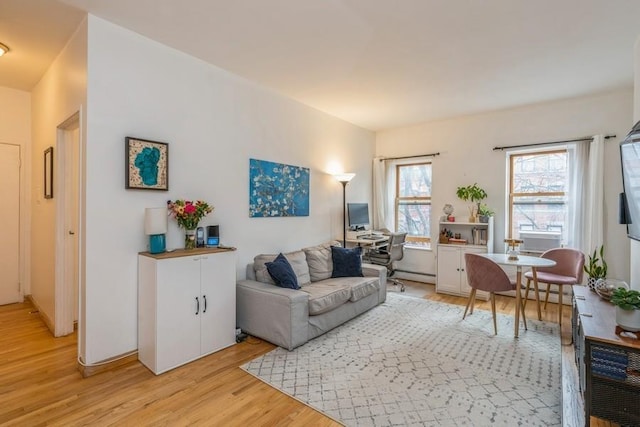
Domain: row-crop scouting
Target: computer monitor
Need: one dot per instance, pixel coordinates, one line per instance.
(358, 214)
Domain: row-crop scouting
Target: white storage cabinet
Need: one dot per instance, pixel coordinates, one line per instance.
(451, 275)
(186, 306)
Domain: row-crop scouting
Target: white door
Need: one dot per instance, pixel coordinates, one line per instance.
(179, 307)
(10, 224)
(71, 183)
(448, 274)
(218, 289)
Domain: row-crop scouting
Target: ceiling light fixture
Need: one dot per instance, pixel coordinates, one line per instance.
(3, 49)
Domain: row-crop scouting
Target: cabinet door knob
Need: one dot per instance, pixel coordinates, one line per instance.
(204, 297)
(197, 306)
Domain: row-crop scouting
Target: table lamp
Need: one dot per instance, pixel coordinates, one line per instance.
(155, 226)
(513, 251)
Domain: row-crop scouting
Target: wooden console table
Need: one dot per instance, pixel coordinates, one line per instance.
(608, 364)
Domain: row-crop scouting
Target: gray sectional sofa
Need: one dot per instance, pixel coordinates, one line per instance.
(288, 317)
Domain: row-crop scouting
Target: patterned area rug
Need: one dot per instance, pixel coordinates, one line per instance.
(415, 362)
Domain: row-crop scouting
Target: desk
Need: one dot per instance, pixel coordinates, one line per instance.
(379, 241)
(522, 261)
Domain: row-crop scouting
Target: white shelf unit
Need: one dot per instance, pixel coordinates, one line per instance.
(451, 276)
(186, 306)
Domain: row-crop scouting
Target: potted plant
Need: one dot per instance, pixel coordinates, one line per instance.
(596, 267)
(627, 302)
(484, 212)
(473, 194)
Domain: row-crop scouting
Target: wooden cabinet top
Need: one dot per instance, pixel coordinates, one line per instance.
(598, 318)
(177, 253)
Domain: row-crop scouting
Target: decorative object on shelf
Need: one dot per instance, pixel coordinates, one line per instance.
(146, 164)
(448, 211)
(155, 226)
(596, 267)
(513, 248)
(605, 287)
(48, 173)
(473, 194)
(276, 189)
(445, 235)
(484, 212)
(627, 302)
(344, 178)
(188, 214)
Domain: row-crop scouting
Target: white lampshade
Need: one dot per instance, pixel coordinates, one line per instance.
(344, 177)
(155, 221)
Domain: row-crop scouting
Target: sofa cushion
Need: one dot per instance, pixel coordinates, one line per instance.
(346, 262)
(319, 261)
(281, 272)
(326, 295)
(297, 259)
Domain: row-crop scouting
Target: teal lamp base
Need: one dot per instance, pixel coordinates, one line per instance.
(157, 244)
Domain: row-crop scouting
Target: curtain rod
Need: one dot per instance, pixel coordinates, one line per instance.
(410, 157)
(585, 138)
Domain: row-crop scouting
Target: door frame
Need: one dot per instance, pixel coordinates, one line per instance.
(65, 303)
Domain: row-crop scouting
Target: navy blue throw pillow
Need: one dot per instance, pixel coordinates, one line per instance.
(282, 273)
(346, 262)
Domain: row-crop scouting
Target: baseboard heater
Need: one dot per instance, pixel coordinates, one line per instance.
(415, 272)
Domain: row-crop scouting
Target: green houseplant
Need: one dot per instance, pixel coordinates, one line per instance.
(484, 212)
(474, 194)
(627, 302)
(596, 267)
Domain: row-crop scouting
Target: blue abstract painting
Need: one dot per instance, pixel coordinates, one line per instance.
(276, 189)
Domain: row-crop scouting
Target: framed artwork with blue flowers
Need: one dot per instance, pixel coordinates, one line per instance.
(146, 164)
(277, 189)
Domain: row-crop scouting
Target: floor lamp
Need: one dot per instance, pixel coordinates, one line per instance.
(344, 179)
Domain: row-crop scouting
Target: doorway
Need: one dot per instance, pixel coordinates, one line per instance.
(67, 187)
(10, 291)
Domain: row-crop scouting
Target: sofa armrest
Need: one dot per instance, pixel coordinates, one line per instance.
(278, 315)
(380, 271)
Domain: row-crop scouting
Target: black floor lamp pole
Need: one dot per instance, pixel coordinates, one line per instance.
(344, 213)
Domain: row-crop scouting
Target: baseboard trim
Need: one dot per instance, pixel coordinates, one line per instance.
(107, 365)
(47, 321)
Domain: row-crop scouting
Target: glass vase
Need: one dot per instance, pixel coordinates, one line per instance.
(190, 238)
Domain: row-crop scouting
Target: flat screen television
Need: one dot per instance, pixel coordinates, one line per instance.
(358, 214)
(630, 160)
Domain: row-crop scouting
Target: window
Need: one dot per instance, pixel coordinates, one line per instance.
(538, 193)
(413, 202)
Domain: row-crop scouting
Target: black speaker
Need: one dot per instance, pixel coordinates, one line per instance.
(213, 235)
(200, 237)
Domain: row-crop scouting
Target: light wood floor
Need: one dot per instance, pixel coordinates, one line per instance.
(40, 383)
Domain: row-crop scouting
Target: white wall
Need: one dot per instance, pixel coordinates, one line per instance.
(60, 93)
(15, 129)
(467, 156)
(635, 245)
(214, 123)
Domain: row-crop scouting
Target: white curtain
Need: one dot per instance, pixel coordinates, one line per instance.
(380, 213)
(593, 230)
(579, 162)
(586, 185)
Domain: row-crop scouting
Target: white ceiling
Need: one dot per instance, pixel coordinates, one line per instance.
(375, 63)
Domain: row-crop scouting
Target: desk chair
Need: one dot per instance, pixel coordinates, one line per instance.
(567, 271)
(486, 275)
(393, 252)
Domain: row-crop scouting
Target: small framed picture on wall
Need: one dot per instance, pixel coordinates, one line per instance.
(146, 164)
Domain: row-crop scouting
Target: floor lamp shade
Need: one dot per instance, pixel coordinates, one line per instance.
(155, 226)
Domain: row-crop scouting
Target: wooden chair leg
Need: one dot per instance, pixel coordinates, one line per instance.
(546, 296)
(473, 299)
(493, 311)
(526, 292)
(524, 318)
(472, 296)
(560, 305)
